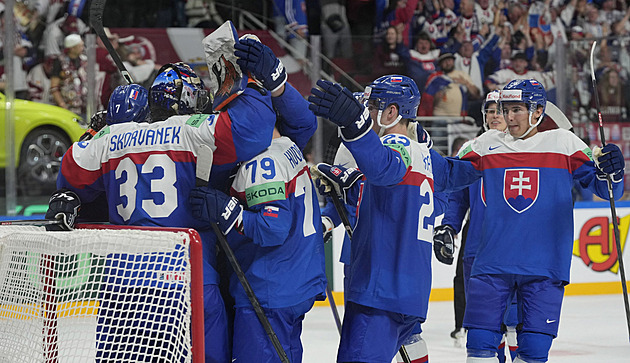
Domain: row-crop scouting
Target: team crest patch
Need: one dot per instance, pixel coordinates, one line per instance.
(520, 188)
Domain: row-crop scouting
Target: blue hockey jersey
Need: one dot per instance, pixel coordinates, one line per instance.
(390, 266)
(147, 170)
(281, 249)
(528, 222)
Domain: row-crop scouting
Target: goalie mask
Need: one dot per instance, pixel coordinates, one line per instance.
(227, 81)
(527, 91)
(127, 103)
(177, 90)
(393, 89)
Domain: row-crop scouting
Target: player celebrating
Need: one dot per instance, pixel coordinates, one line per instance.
(527, 180)
(389, 276)
(458, 205)
(278, 241)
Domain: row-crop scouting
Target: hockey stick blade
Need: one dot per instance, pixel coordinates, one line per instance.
(30, 222)
(204, 165)
(557, 116)
(96, 22)
(611, 199)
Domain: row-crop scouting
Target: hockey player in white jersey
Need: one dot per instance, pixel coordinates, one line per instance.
(389, 274)
(527, 181)
(273, 224)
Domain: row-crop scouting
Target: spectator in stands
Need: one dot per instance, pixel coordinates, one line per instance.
(446, 94)
(387, 60)
(21, 47)
(290, 20)
(53, 41)
(38, 79)
(335, 30)
(517, 70)
(468, 19)
(592, 27)
(141, 69)
(444, 19)
(202, 14)
(485, 13)
(473, 62)
(107, 68)
(68, 83)
(420, 61)
(612, 102)
(399, 14)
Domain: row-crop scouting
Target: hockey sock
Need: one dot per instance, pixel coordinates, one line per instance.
(511, 341)
(416, 349)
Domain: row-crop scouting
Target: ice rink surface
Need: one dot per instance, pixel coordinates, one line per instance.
(592, 329)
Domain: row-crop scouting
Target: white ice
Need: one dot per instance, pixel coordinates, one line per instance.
(592, 329)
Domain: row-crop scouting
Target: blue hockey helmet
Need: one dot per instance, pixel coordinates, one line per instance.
(528, 91)
(177, 90)
(395, 89)
(127, 103)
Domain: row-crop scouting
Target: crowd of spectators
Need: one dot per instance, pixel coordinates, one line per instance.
(455, 50)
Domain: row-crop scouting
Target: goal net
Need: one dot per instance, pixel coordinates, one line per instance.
(100, 293)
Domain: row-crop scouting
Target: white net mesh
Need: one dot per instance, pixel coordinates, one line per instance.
(118, 295)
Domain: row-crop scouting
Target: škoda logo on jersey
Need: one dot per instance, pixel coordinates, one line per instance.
(520, 188)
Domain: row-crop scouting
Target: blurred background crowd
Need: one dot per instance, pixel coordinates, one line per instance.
(455, 50)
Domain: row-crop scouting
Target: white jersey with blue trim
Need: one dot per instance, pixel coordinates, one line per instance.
(528, 222)
(281, 249)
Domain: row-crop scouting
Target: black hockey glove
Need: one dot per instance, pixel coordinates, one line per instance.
(328, 176)
(609, 160)
(338, 105)
(63, 206)
(97, 122)
(259, 60)
(210, 205)
(443, 243)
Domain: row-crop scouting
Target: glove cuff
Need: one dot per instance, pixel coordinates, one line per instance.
(282, 82)
(357, 129)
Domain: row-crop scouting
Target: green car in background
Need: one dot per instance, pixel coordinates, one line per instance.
(43, 133)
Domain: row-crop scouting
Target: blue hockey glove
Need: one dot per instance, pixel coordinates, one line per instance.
(609, 160)
(63, 206)
(210, 205)
(328, 176)
(443, 243)
(338, 105)
(259, 60)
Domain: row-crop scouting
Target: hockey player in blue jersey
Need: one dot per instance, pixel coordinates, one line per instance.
(527, 181)
(273, 224)
(473, 199)
(390, 268)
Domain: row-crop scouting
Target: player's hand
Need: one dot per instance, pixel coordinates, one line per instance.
(328, 176)
(327, 227)
(63, 206)
(337, 104)
(259, 60)
(210, 205)
(609, 160)
(443, 243)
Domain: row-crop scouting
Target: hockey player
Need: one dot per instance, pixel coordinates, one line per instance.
(273, 225)
(390, 269)
(527, 180)
(158, 158)
(472, 198)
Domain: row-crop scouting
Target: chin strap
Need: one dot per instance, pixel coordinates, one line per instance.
(531, 127)
(381, 132)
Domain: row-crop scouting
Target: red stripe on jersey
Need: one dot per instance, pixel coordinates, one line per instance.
(223, 139)
(290, 186)
(534, 160)
(421, 359)
(474, 158)
(415, 178)
(141, 158)
(80, 177)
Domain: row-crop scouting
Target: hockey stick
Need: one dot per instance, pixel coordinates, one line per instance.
(336, 199)
(30, 222)
(204, 165)
(96, 22)
(613, 210)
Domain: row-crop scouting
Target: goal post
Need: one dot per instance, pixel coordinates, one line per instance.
(101, 293)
